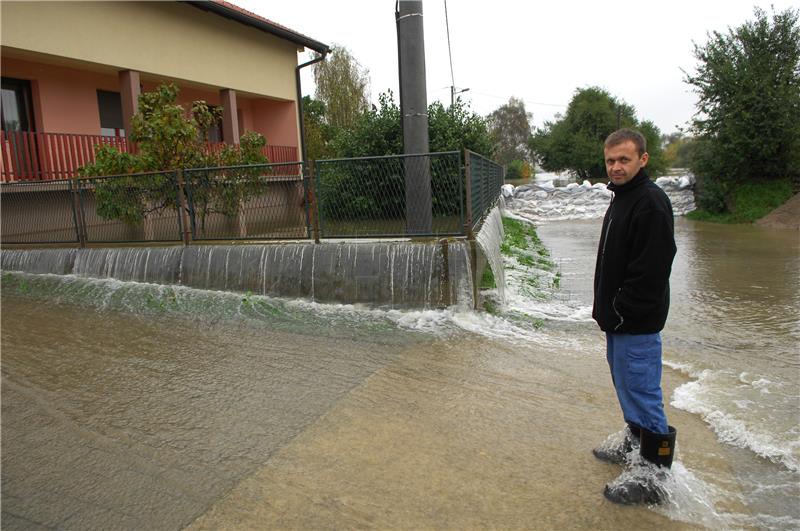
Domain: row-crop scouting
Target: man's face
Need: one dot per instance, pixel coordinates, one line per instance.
(623, 162)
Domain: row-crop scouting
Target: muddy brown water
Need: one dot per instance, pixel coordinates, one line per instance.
(135, 406)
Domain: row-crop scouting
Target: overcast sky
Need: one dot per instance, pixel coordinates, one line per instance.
(539, 51)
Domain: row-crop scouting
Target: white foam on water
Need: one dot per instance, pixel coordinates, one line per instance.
(694, 501)
(699, 397)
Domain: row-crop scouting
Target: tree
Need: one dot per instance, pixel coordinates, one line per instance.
(575, 141)
(456, 128)
(378, 131)
(510, 127)
(518, 170)
(169, 138)
(343, 88)
(318, 134)
(748, 120)
(363, 191)
(676, 150)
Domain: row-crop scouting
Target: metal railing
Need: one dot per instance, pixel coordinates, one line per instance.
(264, 201)
(484, 178)
(366, 197)
(342, 198)
(33, 156)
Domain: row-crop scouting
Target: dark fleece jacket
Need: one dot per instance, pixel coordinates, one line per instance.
(634, 259)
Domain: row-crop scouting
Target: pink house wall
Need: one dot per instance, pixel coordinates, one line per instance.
(65, 101)
(276, 120)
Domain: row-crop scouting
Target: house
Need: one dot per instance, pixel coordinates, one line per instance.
(72, 72)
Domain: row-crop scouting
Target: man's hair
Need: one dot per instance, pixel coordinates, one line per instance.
(627, 135)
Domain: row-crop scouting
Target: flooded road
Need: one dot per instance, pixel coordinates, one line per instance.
(138, 406)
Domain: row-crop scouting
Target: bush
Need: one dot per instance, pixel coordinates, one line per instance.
(746, 203)
(518, 170)
(169, 138)
(748, 121)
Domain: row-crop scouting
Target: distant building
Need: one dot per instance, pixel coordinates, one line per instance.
(72, 72)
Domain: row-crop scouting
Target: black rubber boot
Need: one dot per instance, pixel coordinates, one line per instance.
(616, 448)
(644, 481)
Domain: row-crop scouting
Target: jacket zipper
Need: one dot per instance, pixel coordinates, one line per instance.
(605, 239)
(614, 305)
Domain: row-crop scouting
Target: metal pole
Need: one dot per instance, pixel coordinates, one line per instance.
(468, 195)
(312, 190)
(76, 207)
(446, 298)
(184, 207)
(414, 109)
(300, 110)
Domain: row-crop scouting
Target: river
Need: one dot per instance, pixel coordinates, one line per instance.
(128, 405)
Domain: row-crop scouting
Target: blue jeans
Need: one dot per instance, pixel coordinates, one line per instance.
(635, 363)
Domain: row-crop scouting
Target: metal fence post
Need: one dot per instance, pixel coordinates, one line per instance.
(77, 212)
(186, 230)
(468, 195)
(312, 199)
(306, 196)
(444, 290)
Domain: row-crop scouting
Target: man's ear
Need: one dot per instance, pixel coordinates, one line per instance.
(645, 158)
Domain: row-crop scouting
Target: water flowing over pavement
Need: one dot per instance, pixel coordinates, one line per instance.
(135, 405)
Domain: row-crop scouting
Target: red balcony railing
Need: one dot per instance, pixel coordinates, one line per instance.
(28, 156)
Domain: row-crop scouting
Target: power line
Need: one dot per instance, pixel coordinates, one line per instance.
(563, 105)
(449, 50)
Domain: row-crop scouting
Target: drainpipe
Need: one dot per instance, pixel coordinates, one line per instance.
(303, 154)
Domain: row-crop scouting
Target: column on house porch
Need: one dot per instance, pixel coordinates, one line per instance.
(230, 118)
(129, 88)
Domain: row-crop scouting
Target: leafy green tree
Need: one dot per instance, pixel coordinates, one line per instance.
(510, 127)
(169, 138)
(518, 170)
(367, 190)
(748, 121)
(318, 134)
(456, 128)
(378, 131)
(343, 87)
(574, 142)
(676, 150)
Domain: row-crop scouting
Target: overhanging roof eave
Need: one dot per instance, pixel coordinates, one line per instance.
(263, 25)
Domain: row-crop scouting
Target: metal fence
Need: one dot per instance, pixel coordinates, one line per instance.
(264, 201)
(129, 208)
(39, 212)
(343, 198)
(366, 197)
(483, 179)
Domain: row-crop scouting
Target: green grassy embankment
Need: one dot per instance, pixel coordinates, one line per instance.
(526, 255)
(751, 201)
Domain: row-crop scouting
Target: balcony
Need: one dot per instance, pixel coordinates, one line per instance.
(29, 156)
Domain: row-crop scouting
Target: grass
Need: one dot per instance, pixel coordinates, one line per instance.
(522, 242)
(751, 201)
(488, 281)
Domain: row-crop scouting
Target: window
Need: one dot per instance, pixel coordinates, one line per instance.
(17, 114)
(215, 131)
(110, 106)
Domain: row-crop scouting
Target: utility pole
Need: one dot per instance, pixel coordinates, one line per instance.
(453, 93)
(414, 109)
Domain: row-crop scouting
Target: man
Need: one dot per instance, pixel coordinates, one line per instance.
(631, 301)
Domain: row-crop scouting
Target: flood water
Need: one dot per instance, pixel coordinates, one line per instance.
(139, 406)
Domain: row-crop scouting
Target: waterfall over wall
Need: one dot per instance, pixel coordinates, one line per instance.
(399, 274)
(490, 237)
